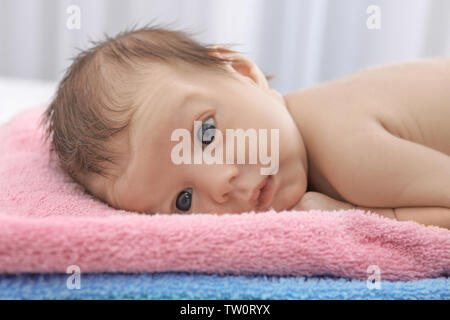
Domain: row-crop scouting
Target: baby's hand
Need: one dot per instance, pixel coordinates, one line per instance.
(315, 200)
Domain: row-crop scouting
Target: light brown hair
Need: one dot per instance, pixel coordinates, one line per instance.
(95, 101)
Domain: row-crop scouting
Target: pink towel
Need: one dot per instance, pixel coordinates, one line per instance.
(48, 223)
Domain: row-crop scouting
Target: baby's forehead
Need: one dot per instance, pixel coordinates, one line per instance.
(168, 104)
(153, 123)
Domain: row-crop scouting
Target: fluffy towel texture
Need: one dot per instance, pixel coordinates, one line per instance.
(182, 286)
(47, 222)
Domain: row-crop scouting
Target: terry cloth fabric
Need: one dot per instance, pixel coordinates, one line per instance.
(48, 222)
(181, 286)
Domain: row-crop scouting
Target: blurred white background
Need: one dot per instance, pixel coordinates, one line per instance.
(302, 42)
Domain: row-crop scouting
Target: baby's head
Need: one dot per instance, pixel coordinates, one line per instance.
(113, 119)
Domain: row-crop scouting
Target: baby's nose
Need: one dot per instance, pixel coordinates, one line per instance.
(220, 182)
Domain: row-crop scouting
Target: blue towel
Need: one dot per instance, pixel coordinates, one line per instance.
(202, 286)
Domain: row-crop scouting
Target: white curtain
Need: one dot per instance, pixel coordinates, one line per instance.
(302, 42)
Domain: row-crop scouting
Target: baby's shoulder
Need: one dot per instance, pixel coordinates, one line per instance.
(347, 156)
(335, 124)
(332, 111)
(328, 128)
(339, 139)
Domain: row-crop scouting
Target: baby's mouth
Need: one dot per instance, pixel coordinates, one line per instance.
(265, 196)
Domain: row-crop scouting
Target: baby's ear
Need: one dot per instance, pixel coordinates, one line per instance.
(240, 65)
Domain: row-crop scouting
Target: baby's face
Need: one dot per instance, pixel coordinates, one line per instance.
(173, 99)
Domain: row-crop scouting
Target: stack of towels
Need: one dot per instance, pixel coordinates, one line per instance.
(49, 227)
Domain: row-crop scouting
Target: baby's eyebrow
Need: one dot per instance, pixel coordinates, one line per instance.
(191, 111)
(183, 102)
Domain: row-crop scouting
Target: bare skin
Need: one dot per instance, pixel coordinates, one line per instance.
(172, 99)
(377, 139)
(380, 139)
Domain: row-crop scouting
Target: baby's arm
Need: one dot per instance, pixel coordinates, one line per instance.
(429, 216)
(433, 216)
(319, 201)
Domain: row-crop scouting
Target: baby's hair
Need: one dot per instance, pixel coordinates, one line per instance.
(95, 100)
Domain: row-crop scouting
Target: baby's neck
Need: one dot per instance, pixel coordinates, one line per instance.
(307, 113)
(295, 104)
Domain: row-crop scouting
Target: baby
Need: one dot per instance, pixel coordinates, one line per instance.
(377, 140)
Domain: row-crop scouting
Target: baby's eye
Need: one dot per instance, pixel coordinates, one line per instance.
(207, 132)
(184, 200)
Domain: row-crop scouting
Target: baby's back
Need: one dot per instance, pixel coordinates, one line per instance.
(408, 101)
